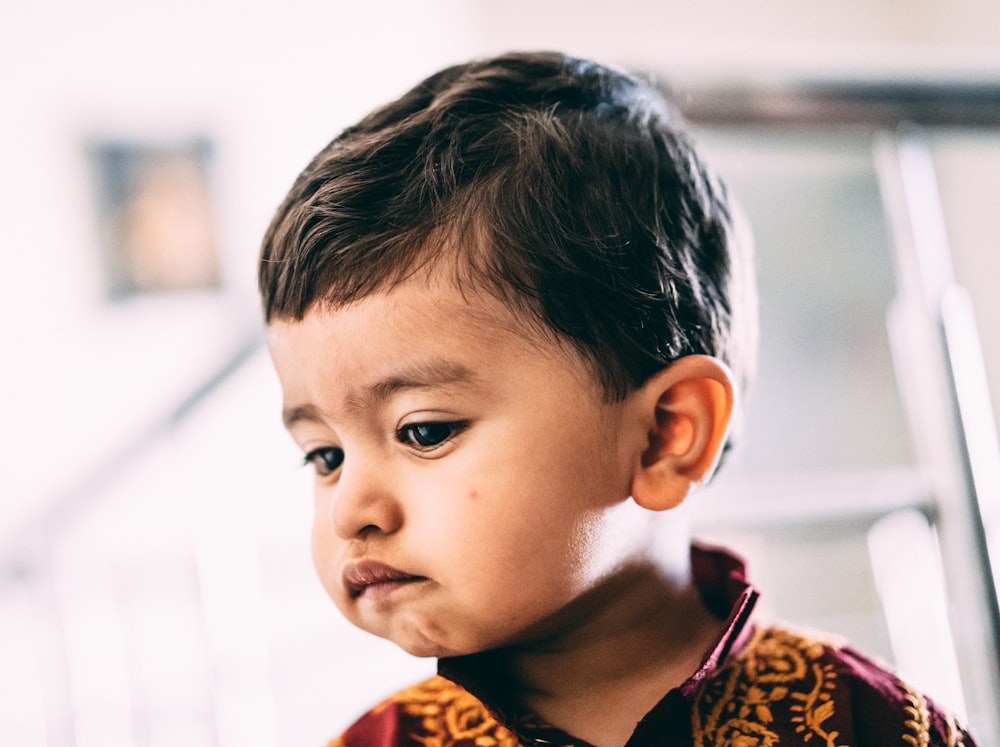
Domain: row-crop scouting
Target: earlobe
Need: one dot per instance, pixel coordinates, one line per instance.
(687, 409)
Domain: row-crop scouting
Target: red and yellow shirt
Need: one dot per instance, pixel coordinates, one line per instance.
(759, 686)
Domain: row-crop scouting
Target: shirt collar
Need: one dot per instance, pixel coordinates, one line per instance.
(721, 578)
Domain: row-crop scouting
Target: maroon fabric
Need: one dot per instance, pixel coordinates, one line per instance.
(757, 687)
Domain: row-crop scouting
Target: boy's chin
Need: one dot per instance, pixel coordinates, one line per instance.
(428, 649)
(425, 650)
(422, 643)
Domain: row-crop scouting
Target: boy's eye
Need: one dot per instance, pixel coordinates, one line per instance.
(325, 460)
(429, 435)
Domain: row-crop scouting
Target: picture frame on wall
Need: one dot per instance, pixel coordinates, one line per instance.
(155, 215)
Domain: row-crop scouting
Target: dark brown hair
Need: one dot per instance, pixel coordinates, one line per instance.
(568, 189)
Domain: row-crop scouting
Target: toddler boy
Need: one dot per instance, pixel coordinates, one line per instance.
(513, 315)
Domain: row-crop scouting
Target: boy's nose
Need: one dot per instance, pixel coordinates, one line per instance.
(362, 502)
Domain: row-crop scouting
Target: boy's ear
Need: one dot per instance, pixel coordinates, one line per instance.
(686, 409)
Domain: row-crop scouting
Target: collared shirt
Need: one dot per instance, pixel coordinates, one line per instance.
(757, 686)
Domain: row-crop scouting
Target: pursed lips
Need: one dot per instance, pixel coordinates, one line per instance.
(363, 575)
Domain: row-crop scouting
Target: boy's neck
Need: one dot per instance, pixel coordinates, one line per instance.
(598, 684)
(640, 635)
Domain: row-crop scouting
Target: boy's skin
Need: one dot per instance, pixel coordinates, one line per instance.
(528, 514)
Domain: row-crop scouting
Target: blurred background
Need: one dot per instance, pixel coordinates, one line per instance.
(155, 584)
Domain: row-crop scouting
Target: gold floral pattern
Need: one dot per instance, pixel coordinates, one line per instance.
(450, 716)
(779, 669)
(917, 718)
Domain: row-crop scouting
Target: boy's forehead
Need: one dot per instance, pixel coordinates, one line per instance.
(409, 326)
(424, 330)
(335, 363)
(435, 298)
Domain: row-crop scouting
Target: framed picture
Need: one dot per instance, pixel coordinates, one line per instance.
(155, 216)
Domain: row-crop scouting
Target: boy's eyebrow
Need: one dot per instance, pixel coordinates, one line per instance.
(417, 376)
(292, 415)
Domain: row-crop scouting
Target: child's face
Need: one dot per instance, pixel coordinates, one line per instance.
(466, 472)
